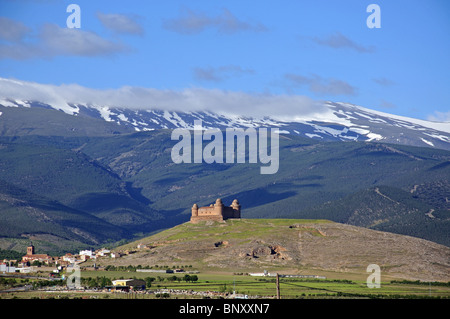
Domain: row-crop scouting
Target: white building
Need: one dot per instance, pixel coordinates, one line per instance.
(103, 252)
(88, 253)
(25, 270)
(116, 255)
(6, 268)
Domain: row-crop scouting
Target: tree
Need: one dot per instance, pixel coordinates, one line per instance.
(194, 278)
(148, 281)
(103, 282)
(187, 278)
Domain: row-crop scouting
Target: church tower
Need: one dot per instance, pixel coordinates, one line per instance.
(30, 249)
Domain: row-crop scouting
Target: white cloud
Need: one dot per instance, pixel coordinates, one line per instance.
(190, 22)
(383, 81)
(65, 41)
(320, 85)
(52, 40)
(11, 30)
(192, 99)
(338, 41)
(121, 23)
(20, 51)
(387, 105)
(439, 116)
(218, 74)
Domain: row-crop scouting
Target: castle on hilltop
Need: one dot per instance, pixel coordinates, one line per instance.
(216, 212)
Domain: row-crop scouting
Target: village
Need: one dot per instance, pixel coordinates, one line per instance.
(30, 261)
(52, 269)
(59, 269)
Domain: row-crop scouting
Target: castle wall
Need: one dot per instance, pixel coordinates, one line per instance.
(215, 212)
(230, 212)
(216, 218)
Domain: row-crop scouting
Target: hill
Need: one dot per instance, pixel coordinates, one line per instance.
(289, 246)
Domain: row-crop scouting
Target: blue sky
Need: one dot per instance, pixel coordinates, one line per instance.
(319, 49)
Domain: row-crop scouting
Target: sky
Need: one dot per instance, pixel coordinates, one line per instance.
(253, 54)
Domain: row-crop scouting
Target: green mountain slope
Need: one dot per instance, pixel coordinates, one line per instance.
(388, 209)
(75, 194)
(52, 226)
(71, 178)
(57, 173)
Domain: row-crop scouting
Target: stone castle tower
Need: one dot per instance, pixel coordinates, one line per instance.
(216, 212)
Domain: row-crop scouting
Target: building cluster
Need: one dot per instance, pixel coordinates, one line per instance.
(31, 257)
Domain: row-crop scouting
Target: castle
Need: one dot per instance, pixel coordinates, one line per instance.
(216, 212)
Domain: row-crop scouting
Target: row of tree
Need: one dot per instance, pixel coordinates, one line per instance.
(133, 268)
(186, 278)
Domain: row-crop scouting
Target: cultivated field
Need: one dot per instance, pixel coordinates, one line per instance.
(223, 285)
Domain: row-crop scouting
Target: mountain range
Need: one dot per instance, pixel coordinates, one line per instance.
(335, 122)
(82, 175)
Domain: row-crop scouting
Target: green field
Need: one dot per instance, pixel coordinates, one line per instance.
(265, 287)
(254, 287)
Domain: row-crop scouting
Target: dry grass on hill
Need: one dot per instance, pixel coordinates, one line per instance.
(290, 245)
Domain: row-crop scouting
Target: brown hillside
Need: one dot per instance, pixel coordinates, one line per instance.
(290, 245)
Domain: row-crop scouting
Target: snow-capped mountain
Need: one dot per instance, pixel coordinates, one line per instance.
(336, 121)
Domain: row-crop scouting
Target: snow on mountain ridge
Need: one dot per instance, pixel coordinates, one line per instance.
(335, 121)
(439, 126)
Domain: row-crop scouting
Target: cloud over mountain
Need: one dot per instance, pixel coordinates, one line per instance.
(439, 116)
(190, 99)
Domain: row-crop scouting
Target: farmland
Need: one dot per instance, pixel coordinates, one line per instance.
(222, 285)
